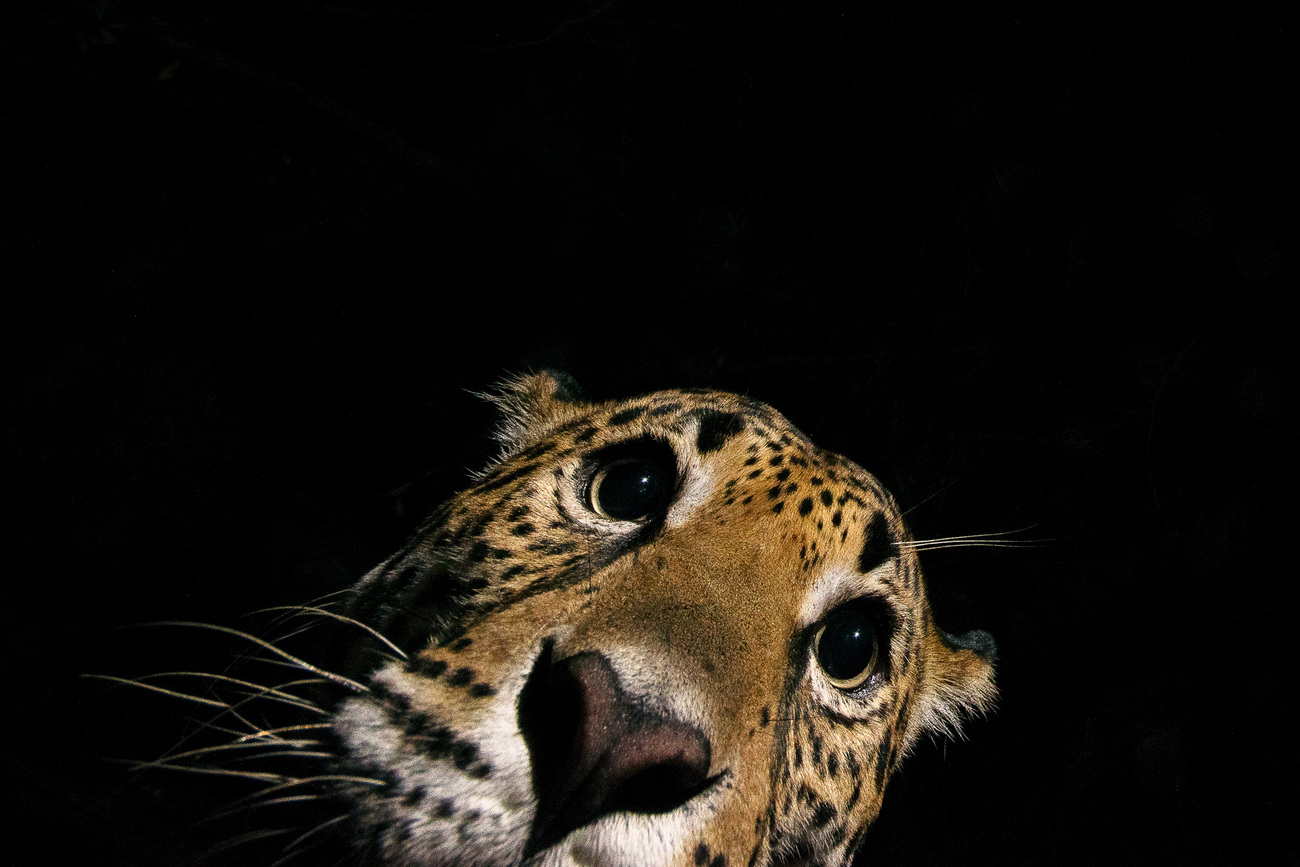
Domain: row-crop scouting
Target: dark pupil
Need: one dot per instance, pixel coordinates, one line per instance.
(632, 489)
(847, 645)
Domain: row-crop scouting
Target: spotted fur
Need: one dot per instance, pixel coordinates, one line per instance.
(582, 690)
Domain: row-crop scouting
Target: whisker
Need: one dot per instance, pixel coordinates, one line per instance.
(257, 689)
(257, 805)
(294, 753)
(261, 776)
(265, 692)
(305, 609)
(975, 544)
(298, 841)
(916, 506)
(253, 745)
(985, 540)
(276, 731)
(250, 837)
(321, 602)
(159, 689)
(345, 682)
(300, 781)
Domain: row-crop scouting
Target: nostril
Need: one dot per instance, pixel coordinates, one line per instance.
(596, 750)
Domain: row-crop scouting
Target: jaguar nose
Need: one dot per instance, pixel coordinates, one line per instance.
(596, 750)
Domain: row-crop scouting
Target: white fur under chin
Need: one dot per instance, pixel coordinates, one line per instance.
(627, 840)
(492, 817)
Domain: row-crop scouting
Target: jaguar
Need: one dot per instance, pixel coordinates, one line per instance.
(667, 631)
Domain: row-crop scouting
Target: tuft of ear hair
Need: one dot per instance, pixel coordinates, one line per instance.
(958, 682)
(531, 405)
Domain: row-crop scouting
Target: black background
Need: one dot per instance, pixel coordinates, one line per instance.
(1032, 264)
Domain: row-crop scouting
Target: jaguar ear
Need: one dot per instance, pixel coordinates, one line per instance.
(959, 681)
(531, 405)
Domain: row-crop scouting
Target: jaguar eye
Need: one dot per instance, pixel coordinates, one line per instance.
(632, 489)
(847, 648)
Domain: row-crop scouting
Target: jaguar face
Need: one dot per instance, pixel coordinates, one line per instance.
(660, 631)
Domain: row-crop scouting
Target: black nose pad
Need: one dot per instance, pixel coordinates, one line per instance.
(595, 750)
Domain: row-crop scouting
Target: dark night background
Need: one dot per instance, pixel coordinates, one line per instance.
(1030, 264)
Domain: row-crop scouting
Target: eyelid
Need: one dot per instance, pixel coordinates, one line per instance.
(840, 587)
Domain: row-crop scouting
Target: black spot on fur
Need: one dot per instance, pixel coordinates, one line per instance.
(460, 677)
(853, 800)
(665, 409)
(718, 861)
(764, 716)
(826, 498)
(701, 854)
(506, 478)
(774, 492)
(877, 545)
(428, 667)
(524, 529)
(445, 809)
(464, 755)
(851, 762)
(823, 814)
(805, 506)
(716, 428)
(413, 797)
(776, 510)
(624, 416)
(783, 475)
(882, 761)
(481, 690)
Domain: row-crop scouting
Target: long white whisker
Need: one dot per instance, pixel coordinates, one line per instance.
(986, 540)
(289, 783)
(159, 689)
(295, 753)
(298, 841)
(345, 682)
(303, 609)
(974, 544)
(251, 837)
(257, 805)
(250, 745)
(273, 733)
(262, 776)
(265, 692)
(257, 688)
